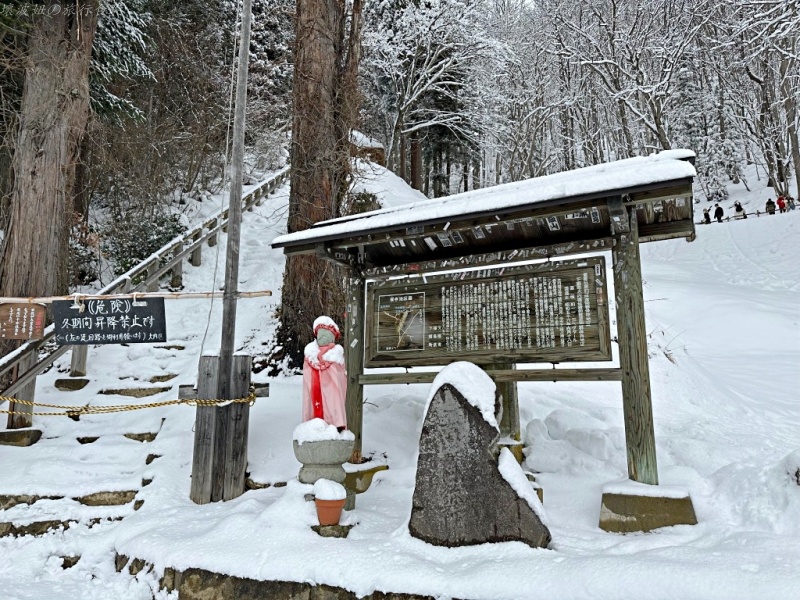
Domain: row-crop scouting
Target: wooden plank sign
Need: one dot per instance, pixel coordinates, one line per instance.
(554, 312)
(22, 321)
(112, 321)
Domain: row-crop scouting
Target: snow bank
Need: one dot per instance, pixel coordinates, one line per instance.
(392, 191)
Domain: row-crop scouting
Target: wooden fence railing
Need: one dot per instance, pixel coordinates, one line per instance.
(32, 358)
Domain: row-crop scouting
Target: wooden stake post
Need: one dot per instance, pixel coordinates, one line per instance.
(219, 460)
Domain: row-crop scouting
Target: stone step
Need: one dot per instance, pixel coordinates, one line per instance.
(71, 385)
(39, 528)
(48, 514)
(19, 437)
(199, 584)
(136, 392)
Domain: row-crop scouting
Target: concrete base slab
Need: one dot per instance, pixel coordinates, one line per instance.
(627, 513)
(19, 437)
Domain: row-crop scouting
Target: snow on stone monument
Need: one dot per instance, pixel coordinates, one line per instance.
(466, 491)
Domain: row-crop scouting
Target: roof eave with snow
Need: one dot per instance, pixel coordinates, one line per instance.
(563, 207)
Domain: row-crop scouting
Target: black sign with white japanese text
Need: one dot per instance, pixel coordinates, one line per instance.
(112, 321)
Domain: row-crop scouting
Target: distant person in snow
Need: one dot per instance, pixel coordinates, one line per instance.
(790, 203)
(770, 207)
(706, 216)
(324, 376)
(718, 213)
(740, 211)
(782, 204)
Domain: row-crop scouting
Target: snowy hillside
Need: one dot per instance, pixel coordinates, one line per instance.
(723, 318)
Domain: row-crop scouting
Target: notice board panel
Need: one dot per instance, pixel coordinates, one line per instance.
(111, 321)
(22, 321)
(553, 312)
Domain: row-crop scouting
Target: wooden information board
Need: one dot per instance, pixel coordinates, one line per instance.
(116, 321)
(553, 312)
(22, 321)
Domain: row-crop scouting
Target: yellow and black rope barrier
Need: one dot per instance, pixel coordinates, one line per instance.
(75, 412)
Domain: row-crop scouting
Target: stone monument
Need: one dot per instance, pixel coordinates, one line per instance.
(466, 493)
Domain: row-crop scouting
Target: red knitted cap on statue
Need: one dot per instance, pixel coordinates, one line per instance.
(326, 323)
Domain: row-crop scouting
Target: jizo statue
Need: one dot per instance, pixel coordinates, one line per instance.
(324, 376)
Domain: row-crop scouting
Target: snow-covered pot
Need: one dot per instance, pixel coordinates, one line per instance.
(329, 497)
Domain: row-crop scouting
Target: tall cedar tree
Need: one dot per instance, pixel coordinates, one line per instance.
(325, 99)
(54, 114)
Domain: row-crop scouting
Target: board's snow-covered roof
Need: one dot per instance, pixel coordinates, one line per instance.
(600, 179)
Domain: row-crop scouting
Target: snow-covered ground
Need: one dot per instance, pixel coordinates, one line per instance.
(724, 337)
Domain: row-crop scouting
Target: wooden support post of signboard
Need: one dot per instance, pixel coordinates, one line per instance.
(509, 420)
(632, 336)
(80, 358)
(24, 416)
(219, 461)
(354, 360)
(176, 276)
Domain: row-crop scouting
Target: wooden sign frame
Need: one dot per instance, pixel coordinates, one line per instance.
(552, 312)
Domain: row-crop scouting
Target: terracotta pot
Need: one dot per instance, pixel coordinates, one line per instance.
(329, 511)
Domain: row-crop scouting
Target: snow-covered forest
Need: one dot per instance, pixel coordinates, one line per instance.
(505, 90)
(461, 94)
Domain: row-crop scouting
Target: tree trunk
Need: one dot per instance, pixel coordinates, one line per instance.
(55, 110)
(325, 109)
(790, 106)
(402, 172)
(416, 162)
(81, 194)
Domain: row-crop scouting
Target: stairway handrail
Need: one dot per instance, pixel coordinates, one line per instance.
(186, 242)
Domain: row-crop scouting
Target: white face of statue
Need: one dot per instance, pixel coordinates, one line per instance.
(325, 337)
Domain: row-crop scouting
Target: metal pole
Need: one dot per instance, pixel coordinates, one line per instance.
(234, 212)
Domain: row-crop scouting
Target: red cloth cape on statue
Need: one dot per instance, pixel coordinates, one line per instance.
(324, 384)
